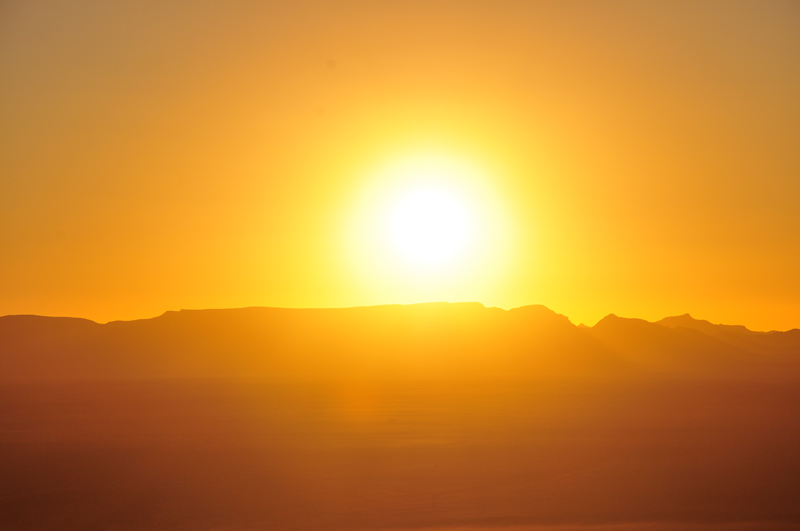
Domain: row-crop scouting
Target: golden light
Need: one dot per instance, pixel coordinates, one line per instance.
(428, 226)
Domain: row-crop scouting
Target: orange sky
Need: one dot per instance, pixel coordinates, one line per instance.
(644, 157)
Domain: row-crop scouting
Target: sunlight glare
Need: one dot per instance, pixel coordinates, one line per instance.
(429, 226)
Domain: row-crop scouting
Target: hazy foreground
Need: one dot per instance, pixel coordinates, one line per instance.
(429, 416)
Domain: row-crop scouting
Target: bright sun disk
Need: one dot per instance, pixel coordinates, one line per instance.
(429, 226)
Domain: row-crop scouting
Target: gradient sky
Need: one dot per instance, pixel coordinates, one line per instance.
(645, 157)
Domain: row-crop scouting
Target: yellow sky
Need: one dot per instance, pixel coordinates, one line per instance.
(644, 157)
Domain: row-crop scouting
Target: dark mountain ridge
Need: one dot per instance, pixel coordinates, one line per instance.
(394, 341)
(766, 343)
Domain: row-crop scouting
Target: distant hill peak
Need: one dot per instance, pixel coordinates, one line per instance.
(687, 321)
(615, 320)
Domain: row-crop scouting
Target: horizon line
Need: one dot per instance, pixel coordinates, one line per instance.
(612, 314)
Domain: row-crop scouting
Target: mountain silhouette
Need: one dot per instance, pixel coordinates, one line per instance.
(409, 341)
(768, 343)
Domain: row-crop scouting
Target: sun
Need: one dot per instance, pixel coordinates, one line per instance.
(428, 225)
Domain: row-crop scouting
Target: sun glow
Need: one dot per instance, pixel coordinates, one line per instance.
(429, 227)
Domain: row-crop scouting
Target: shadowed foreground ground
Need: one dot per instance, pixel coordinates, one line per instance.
(247, 454)
(434, 416)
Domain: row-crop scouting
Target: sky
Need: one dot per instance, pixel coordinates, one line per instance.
(636, 158)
